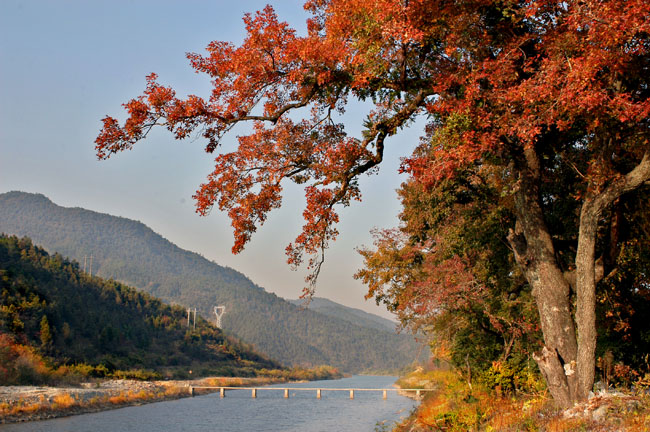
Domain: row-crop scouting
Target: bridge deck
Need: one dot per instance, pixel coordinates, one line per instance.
(312, 388)
(254, 390)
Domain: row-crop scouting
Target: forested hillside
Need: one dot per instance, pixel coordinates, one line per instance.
(72, 318)
(130, 252)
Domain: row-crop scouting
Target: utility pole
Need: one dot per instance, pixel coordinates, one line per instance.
(194, 318)
(188, 317)
(91, 265)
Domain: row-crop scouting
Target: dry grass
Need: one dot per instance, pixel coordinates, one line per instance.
(638, 423)
(23, 408)
(223, 382)
(66, 403)
(26, 409)
(560, 424)
(63, 401)
(139, 396)
(118, 399)
(240, 382)
(174, 390)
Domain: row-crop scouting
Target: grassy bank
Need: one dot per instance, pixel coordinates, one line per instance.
(457, 406)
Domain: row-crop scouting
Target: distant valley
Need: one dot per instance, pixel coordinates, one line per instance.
(345, 313)
(130, 252)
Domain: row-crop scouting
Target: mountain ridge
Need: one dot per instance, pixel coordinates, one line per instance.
(340, 311)
(131, 252)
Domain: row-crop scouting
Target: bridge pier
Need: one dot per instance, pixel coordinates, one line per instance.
(385, 394)
(222, 392)
(286, 393)
(254, 393)
(318, 394)
(351, 394)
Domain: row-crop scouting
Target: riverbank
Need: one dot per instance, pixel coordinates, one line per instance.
(455, 406)
(28, 403)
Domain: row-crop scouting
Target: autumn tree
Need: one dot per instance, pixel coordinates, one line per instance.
(537, 85)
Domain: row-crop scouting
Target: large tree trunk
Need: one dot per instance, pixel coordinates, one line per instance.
(557, 360)
(566, 362)
(534, 252)
(586, 275)
(586, 299)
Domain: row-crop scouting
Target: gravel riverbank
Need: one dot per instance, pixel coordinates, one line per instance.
(27, 403)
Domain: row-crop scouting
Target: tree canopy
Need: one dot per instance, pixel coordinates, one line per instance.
(544, 98)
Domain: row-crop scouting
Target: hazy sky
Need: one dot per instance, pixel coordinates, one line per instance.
(64, 65)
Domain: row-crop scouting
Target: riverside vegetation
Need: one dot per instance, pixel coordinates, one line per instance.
(491, 403)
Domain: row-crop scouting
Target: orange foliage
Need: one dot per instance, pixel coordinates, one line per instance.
(20, 363)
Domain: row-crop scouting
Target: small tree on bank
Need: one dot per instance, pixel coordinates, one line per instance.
(45, 335)
(529, 88)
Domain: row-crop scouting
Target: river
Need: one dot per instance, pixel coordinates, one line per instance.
(238, 412)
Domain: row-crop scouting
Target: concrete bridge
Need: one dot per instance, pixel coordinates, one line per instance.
(319, 391)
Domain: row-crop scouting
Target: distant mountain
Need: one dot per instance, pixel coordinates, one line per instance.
(49, 304)
(130, 252)
(352, 315)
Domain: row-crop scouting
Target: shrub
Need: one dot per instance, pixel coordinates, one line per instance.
(511, 377)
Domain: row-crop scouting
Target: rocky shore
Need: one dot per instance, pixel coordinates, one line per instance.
(28, 403)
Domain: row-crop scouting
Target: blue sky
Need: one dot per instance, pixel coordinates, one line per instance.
(64, 65)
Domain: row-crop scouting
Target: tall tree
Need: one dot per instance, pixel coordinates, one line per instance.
(537, 86)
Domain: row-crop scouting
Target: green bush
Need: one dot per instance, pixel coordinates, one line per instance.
(512, 377)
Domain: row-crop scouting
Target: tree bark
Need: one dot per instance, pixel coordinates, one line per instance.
(557, 359)
(567, 362)
(534, 252)
(586, 299)
(586, 272)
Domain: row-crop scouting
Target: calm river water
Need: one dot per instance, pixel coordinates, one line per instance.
(335, 412)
